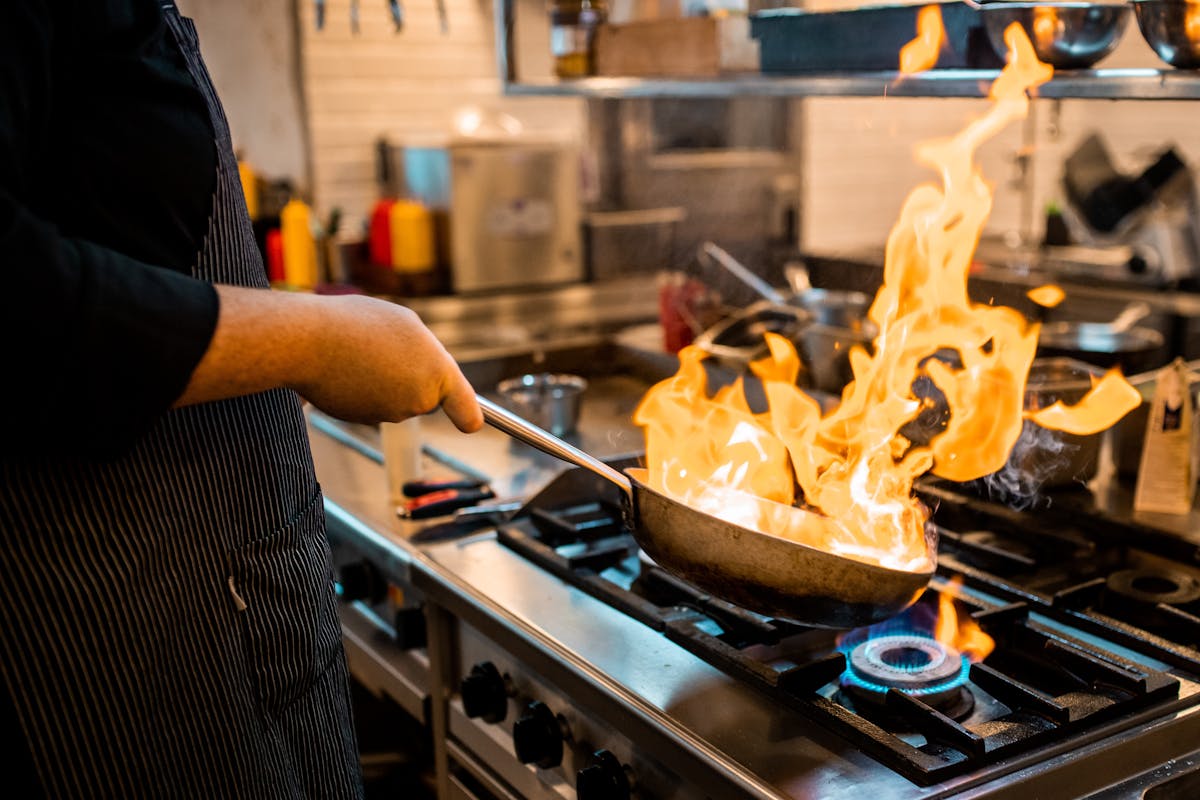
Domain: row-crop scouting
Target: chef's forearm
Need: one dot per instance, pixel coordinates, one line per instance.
(263, 340)
(357, 358)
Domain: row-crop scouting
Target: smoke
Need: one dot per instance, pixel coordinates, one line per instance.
(1038, 456)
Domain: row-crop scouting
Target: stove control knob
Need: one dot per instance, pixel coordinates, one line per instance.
(360, 580)
(604, 779)
(410, 628)
(484, 694)
(538, 737)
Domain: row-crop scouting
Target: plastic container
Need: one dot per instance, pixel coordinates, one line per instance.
(380, 233)
(249, 179)
(412, 233)
(299, 245)
(402, 460)
(275, 271)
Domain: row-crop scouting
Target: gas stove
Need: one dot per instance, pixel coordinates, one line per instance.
(1063, 608)
(560, 662)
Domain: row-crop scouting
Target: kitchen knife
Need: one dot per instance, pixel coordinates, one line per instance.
(439, 504)
(422, 488)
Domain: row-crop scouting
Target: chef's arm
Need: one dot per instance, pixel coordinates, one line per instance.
(357, 358)
(96, 344)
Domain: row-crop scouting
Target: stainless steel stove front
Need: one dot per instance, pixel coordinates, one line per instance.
(683, 728)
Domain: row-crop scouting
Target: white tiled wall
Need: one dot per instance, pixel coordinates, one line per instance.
(249, 47)
(859, 165)
(406, 86)
(858, 162)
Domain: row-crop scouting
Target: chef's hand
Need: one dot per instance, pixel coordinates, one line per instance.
(376, 362)
(355, 358)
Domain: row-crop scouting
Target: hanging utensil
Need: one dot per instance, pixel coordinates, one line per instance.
(1129, 316)
(742, 273)
(767, 574)
(354, 27)
(320, 8)
(443, 18)
(397, 14)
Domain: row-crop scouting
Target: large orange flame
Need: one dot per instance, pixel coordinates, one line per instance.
(962, 634)
(922, 52)
(1191, 21)
(854, 469)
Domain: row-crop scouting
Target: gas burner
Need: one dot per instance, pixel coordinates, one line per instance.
(1146, 597)
(911, 663)
(1153, 586)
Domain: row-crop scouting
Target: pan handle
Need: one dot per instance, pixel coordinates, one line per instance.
(525, 431)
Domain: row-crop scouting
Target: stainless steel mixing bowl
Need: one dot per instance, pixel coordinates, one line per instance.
(1172, 29)
(1065, 35)
(552, 402)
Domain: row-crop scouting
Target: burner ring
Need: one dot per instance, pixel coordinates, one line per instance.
(1155, 586)
(912, 664)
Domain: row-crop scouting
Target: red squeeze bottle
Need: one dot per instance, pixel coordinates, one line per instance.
(275, 271)
(380, 235)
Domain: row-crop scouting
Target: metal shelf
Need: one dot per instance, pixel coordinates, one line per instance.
(1100, 84)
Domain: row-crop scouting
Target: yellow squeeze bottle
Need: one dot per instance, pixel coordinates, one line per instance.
(411, 228)
(249, 188)
(299, 245)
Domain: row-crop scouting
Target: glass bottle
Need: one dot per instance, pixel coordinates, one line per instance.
(573, 25)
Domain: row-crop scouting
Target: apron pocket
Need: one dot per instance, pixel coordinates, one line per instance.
(282, 586)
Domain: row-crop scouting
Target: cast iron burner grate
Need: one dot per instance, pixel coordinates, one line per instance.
(1092, 572)
(1039, 687)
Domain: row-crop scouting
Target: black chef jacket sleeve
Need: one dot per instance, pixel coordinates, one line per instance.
(97, 344)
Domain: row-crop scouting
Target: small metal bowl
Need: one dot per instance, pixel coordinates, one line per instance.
(549, 401)
(1064, 35)
(1165, 27)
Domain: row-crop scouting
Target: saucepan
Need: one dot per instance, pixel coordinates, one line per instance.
(832, 307)
(772, 576)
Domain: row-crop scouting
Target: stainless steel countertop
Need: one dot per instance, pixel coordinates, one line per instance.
(474, 326)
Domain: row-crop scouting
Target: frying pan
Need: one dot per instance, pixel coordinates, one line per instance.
(772, 576)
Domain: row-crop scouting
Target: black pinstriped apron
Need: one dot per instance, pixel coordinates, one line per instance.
(169, 625)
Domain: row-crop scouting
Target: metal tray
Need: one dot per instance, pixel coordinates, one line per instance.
(793, 40)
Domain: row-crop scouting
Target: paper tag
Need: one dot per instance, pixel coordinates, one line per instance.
(1167, 473)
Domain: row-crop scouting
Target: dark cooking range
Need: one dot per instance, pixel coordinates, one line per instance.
(1093, 636)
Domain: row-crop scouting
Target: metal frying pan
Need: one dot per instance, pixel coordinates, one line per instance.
(773, 576)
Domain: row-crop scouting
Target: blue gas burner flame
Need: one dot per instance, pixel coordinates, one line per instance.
(902, 654)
